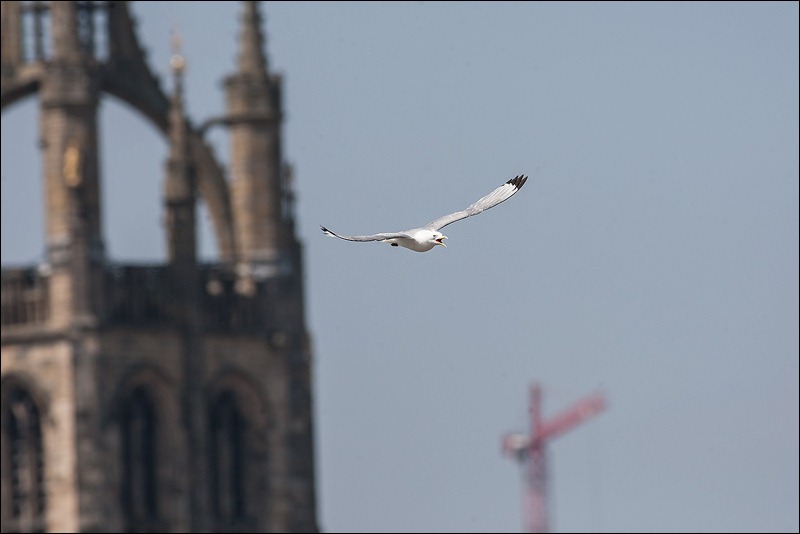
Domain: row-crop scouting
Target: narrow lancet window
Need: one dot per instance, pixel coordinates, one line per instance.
(228, 461)
(139, 462)
(23, 491)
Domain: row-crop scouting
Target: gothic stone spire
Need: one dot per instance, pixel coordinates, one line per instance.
(252, 60)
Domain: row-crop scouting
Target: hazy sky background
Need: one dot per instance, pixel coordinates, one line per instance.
(652, 255)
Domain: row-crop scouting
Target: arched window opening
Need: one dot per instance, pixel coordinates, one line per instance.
(139, 463)
(23, 465)
(228, 428)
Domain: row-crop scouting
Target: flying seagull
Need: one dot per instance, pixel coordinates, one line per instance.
(426, 237)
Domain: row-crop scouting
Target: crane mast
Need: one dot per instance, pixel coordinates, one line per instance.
(529, 450)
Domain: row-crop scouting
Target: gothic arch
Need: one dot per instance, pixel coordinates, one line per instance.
(239, 453)
(23, 492)
(144, 428)
(124, 73)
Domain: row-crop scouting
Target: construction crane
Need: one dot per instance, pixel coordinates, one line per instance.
(529, 450)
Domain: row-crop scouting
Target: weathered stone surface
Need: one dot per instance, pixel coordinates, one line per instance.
(171, 398)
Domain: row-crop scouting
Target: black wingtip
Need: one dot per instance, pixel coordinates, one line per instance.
(518, 181)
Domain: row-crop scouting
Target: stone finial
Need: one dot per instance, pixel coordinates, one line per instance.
(251, 59)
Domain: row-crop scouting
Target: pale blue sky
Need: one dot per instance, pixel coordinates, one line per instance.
(653, 254)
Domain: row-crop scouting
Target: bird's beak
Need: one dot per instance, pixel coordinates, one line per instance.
(440, 241)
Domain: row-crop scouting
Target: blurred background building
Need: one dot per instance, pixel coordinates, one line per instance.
(153, 398)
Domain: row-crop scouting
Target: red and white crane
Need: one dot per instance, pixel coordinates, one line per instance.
(529, 450)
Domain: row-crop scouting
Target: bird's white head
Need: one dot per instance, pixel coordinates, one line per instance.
(423, 240)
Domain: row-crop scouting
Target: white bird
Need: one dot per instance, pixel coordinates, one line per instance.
(426, 237)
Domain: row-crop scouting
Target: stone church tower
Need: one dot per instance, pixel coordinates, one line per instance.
(161, 398)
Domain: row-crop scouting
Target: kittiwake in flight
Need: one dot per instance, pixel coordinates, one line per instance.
(426, 237)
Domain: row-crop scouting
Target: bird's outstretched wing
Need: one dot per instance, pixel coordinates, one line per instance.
(373, 237)
(501, 194)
